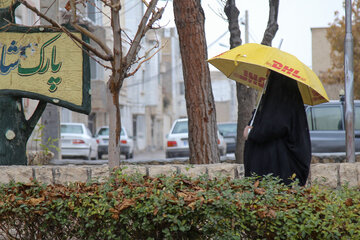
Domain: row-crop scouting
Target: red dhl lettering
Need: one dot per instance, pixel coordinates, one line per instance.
(277, 65)
(251, 78)
(286, 69)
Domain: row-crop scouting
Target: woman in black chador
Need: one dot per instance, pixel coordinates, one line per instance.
(279, 141)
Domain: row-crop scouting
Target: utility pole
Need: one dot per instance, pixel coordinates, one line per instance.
(246, 27)
(51, 116)
(349, 84)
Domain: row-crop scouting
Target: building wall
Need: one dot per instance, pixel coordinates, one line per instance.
(320, 50)
(224, 91)
(321, 60)
(172, 81)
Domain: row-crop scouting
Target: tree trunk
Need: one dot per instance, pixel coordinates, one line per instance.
(246, 102)
(200, 104)
(245, 95)
(15, 130)
(272, 25)
(114, 141)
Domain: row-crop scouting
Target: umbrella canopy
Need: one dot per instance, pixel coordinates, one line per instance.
(251, 63)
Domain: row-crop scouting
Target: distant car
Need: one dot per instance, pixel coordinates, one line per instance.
(327, 127)
(77, 141)
(126, 142)
(229, 131)
(178, 140)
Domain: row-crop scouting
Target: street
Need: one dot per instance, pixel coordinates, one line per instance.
(139, 157)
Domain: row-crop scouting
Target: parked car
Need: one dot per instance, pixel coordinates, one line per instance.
(229, 131)
(77, 141)
(126, 142)
(178, 140)
(327, 127)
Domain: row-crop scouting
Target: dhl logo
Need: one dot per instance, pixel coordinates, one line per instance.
(286, 69)
(251, 78)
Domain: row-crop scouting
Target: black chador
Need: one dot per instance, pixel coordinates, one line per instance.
(279, 142)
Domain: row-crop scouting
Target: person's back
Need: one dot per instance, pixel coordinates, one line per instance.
(279, 142)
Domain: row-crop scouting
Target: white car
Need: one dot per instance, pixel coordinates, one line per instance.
(77, 141)
(126, 142)
(178, 140)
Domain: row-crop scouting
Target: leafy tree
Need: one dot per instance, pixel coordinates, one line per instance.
(200, 104)
(336, 35)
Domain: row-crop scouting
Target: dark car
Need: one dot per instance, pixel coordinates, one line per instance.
(327, 127)
(229, 131)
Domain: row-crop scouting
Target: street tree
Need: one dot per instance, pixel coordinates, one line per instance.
(200, 104)
(336, 35)
(122, 63)
(247, 96)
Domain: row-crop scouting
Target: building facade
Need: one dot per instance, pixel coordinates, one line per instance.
(321, 60)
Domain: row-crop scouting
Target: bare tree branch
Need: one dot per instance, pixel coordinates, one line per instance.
(92, 37)
(218, 11)
(86, 32)
(154, 18)
(134, 48)
(145, 60)
(70, 34)
(115, 24)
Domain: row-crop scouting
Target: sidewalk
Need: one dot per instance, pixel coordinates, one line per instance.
(157, 157)
(149, 155)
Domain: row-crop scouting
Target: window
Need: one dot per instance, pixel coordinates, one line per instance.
(93, 69)
(93, 11)
(327, 118)
(227, 128)
(308, 117)
(89, 132)
(71, 129)
(357, 118)
(181, 127)
(104, 132)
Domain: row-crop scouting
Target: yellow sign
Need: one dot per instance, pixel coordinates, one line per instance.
(45, 63)
(6, 3)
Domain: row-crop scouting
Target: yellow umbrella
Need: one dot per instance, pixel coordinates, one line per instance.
(251, 63)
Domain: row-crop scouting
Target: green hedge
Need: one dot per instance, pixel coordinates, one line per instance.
(177, 207)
